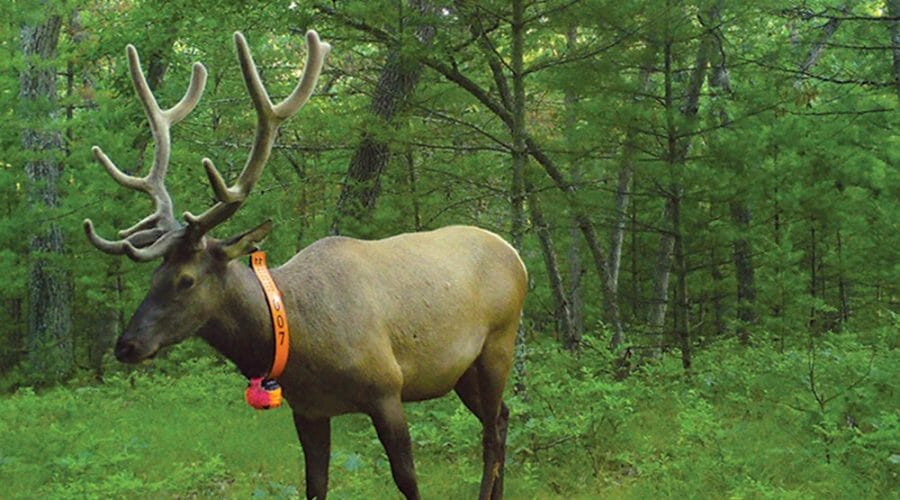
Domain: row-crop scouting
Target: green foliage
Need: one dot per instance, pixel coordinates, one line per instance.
(808, 410)
(745, 424)
(809, 157)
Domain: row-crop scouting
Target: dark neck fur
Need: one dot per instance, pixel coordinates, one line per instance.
(242, 329)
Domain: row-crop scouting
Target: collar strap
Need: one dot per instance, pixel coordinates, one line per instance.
(276, 308)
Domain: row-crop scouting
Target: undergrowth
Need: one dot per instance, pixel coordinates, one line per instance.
(811, 421)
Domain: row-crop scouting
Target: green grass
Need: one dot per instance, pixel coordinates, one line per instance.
(743, 426)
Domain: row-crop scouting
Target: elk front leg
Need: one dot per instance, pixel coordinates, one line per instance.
(315, 438)
(390, 423)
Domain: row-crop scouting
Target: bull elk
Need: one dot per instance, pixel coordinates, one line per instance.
(374, 323)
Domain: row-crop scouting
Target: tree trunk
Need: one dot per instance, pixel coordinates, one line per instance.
(719, 82)
(812, 57)
(635, 281)
(743, 265)
(395, 86)
(894, 11)
(49, 343)
(682, 309)
(623, 196)
(813, 277)
(575, 267)
(412, 177)
(519, 160)
(843, 285)
(659, 299)
(718, 307)
(676, 155)
(562, 315)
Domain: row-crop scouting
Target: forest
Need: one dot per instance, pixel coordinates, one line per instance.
(704, 193)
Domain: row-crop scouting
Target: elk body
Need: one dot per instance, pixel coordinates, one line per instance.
(374, 323)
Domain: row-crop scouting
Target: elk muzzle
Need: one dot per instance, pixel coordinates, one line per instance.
(133, 349)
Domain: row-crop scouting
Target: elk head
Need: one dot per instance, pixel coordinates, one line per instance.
(186, 288)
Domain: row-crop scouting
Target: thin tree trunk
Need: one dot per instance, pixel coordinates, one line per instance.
(519, 160)
(575, 267)
(413, 178)
(812, 57)
(743, 265)
(719, 82)
(894, 11)
(562, 315)
(12, 343)
(676, 155)
(395, 87)
(49, 343)
(635, 282)
(718, 307)
(574, 295)
(301, 207)
(682, 316)
(843, 285)
(623, 196)
(587, 228)
(659, 299)
(813, 277)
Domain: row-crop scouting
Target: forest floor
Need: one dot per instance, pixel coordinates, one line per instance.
(745, 424)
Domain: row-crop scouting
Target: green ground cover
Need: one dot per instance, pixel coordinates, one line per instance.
(745, 425)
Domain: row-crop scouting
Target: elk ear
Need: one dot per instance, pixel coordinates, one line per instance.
(245, 243)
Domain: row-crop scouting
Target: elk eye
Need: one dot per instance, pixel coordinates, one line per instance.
(185, 282)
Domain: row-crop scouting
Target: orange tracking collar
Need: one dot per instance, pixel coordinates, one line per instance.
(276, 308)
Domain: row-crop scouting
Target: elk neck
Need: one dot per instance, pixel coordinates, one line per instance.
(241, 329)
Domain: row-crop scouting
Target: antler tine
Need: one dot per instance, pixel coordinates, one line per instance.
(269, 117)
(154, 251)
(161, 120)
(191, 97)
(152, 236)
(158, 247)
(122, 178)
(315, 59)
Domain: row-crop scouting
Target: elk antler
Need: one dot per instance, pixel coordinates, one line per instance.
(269, 117)
(153, 235)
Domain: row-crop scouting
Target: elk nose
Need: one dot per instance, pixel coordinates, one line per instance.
(125, 350)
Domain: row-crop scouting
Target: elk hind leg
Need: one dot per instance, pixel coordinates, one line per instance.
(481, 390)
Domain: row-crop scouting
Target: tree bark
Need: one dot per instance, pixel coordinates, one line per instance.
(575, 266)
(683, 312)
(562, 315)
(719, 82)
(743, 265)
(843, 284)
(635, 281)
(813, 277)
(395, 86)
(894, 11)
(659, 299)
(49, 342)
(412, 177)
(676, 155)
(623, 196)
(519, 160)
(812, 57)
(718, 307)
